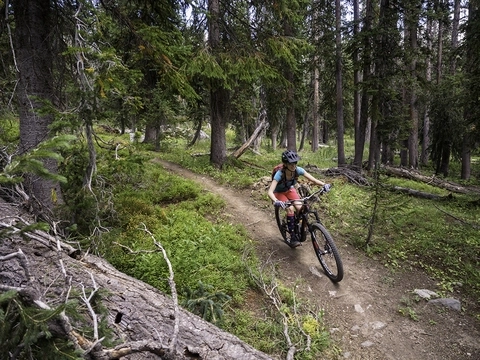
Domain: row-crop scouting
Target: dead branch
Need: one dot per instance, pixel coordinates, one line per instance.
(256, 133)
(352, 176)
(269, 288)
(87, 301)
(42, 237)
(173, 289)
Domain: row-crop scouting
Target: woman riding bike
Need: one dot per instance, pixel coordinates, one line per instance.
(283, 189)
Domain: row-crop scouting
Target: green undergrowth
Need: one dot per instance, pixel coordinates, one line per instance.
(210, 255)
(412, 234)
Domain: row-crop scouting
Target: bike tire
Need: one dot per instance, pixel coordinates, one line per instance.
(282, 226)
(327, 252)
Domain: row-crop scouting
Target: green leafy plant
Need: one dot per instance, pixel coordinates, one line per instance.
(206, 303)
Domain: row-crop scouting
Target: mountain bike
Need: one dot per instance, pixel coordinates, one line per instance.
(307, 220)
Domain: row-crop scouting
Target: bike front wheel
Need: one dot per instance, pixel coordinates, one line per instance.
(327, 252)
(281, 223)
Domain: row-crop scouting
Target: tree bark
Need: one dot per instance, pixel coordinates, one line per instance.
(35, 85)
(411, 27)
(426, 117)
(360, 131)
(339, 85)
(356, 79)
(219, 96)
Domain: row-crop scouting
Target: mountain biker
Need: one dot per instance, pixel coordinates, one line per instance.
(283, 189)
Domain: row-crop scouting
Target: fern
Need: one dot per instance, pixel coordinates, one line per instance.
(202, 302)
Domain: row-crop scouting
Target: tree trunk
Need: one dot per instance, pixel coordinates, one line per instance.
(151, 133)
(466, 159)
(219, 96)
(356, 77)
(339, 85)
(411, 26)
(218, 115)
(315, 83)
(315, 125)
(291, 123)
(35, 75)
(426, 116)
(365, 99)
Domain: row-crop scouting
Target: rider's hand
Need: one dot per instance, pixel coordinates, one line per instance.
(327, 187)
(279, 203)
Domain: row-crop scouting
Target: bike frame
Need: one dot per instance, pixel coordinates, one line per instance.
(303, 214)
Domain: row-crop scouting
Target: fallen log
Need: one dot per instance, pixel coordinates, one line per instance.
(252, 138)
(431, 180)
(420, 194)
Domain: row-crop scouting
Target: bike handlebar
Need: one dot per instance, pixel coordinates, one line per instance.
(320, 191)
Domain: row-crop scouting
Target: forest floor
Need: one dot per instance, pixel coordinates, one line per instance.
(362, 312)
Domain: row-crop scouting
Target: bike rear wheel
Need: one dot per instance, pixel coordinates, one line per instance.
(327, 252)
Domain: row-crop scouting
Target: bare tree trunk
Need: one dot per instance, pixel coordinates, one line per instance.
(466, 151)
(315, 125)
(356, 74)
(304, 133)
(466, 158)
(426, 116)
(197, 132)
(219, 96)
(412, 24)
(362, 126)
(339, 86)
(290, 96)
(291, 122)
(315, 83)
(151, 133)
(218, 111)
(35, 75)
(274, 138)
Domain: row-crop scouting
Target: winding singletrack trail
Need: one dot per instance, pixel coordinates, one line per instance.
(362, 311)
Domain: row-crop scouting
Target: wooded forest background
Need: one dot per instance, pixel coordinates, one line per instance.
(400, 77)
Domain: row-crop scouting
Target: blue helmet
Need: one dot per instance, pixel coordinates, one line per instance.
(290, 156)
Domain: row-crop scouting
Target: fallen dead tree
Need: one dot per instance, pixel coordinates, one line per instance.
(420, 194)
(144, 322)
(352, 176)
(431, 180)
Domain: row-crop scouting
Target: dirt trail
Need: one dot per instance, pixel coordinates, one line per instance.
(362, 311)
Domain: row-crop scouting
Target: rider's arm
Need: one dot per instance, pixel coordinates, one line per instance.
(312, 179)
(272, 187)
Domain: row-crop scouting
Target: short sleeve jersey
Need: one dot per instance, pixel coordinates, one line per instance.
(283, 186)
